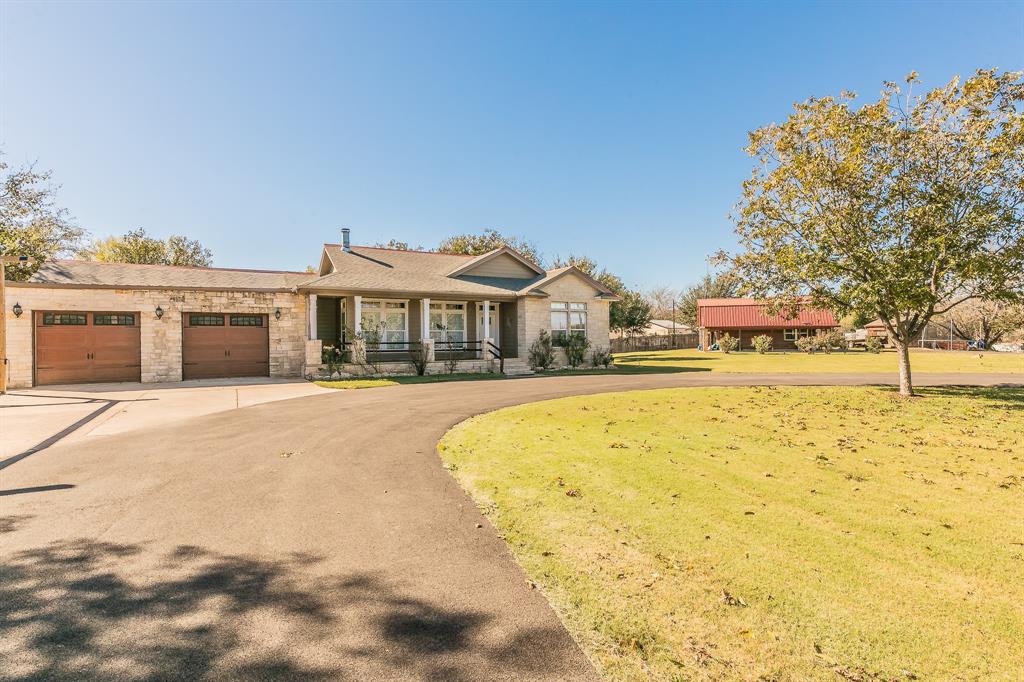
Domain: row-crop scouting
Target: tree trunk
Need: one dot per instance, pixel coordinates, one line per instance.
(906, 384)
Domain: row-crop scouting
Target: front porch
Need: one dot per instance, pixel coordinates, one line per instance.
(391, 335)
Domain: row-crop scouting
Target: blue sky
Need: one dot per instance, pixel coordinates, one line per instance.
(614, 130)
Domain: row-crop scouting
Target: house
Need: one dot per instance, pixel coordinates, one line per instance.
(745, 318)
(82, 321)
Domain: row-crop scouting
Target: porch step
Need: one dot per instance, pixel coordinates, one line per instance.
(514, 367)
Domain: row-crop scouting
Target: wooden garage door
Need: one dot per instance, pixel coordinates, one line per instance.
(216, 345)
(84, 347)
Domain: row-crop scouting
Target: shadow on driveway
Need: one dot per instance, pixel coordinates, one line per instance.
(85, 605)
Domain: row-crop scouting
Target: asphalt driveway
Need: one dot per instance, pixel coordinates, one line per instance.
(311, 538)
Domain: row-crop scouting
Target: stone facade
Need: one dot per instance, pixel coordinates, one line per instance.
(161, 338)
(534, 314)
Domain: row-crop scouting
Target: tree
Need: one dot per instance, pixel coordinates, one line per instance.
(138, 247)
(488, 240)
(397, 245)
(901, 209)
(31, 224)
(721, 285)
(664, 302)
(631, 314)
(184, 251)
(986, 321)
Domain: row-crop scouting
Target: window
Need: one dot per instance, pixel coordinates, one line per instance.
(246, 320)
(384, 321)
(205, 320)
(448, 323)
(114, 319)
(794, 334)
(567, 318)
(64, 318)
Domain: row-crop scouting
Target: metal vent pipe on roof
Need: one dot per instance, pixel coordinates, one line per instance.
(345, 244)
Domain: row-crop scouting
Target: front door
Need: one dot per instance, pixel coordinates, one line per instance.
(495, 330)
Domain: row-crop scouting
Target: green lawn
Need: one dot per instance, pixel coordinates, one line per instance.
(767, 533)
(923, 361)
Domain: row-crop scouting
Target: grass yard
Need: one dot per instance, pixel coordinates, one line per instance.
(921, 361)
(767, 533)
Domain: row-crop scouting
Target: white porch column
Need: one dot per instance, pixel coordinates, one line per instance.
(312, 317)
(487, 319)
(424, 319)
(357, 315)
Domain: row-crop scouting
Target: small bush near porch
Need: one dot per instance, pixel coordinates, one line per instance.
(774, 534)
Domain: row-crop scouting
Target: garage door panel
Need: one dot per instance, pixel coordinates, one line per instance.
(79, 347)
(225, 345)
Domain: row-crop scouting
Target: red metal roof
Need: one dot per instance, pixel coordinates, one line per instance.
(747, 313)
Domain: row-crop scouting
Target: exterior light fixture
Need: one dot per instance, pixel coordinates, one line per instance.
(277, 314)
(18, 310)
(159, 312)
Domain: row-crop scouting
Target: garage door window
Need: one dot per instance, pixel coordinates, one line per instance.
(63, 318)
(206, 320)
(246, 320)
(113, 320)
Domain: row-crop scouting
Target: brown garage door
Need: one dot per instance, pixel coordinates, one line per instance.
(83, 347)
(215, 345)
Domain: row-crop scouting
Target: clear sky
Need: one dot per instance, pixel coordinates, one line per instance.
(612, 130)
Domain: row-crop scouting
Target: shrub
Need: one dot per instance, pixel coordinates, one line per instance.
(873, 344)
(831, 340)
(541, 354)
(419, 359)
(762, 343)
(576, 346)
(332, 356)
(807, 344)
(601, 357)
(727, 344)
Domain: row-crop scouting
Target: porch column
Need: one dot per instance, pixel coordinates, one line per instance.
(312, 317)
(357, 315)
(487, 329)
(424, 319)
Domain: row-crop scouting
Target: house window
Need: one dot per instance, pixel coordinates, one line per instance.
(206, 320)
(384, 321)
(246, 320)
(567, 318)
(794, 334)
(113, 319)
(448, 322)
(63, 318)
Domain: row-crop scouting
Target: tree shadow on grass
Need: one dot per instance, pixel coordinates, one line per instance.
(1007, 397)
(88, 610)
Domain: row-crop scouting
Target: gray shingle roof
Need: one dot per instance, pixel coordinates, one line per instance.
(129, 275)
(372, 269)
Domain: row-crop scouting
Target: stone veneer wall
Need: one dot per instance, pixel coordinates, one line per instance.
(161, 339)
(534, 314)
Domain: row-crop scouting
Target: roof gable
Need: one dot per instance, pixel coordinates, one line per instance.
(537, 288)
(501, 262)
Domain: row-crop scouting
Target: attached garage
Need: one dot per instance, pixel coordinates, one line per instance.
(86, 347)
(224, 345)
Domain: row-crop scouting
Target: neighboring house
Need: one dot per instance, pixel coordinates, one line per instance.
(934, 335)
(663, 328)
(745, 318)
(83, 321)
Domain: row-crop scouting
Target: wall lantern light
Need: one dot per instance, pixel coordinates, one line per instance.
(159, 312)
(18, 310)
(277, 314)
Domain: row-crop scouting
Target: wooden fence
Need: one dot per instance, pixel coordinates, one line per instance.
(649, 343)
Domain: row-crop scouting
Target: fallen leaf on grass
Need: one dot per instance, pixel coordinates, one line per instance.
(731, 600)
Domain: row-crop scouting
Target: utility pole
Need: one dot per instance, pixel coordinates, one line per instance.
(4, 262)
(673, 322)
